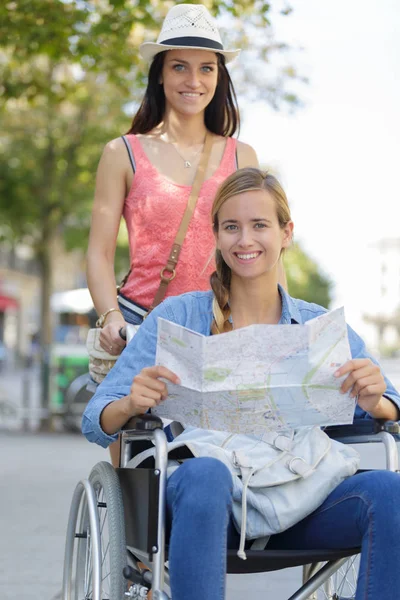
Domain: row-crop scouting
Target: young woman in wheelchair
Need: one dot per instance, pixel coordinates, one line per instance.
(252, 227)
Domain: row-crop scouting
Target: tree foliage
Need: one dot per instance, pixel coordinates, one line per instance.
(305, 278)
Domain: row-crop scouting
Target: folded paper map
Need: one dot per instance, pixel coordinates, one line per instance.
(257, 378)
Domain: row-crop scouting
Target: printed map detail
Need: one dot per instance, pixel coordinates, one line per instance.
(258, 378)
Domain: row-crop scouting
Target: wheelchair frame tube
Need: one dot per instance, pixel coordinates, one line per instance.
(386, 438)
(161, 457)
(392, 456)
(318, 579)
(161, 460)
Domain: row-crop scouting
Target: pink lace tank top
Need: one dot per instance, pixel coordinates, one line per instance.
(153, 211)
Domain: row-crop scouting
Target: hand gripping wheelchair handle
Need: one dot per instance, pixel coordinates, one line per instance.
(127, 332)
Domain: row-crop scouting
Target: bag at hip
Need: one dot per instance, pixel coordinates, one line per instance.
(278, 478)
(100, 361)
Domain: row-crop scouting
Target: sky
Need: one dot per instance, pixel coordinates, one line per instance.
(339, 156)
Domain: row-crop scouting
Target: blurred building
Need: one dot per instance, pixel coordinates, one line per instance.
(19, 298)
(20, 291)
(383, 301)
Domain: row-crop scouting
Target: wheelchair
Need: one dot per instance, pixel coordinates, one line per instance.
(115, 550)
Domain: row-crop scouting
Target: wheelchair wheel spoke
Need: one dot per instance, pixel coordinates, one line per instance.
(105, 575)
(105, 556)
(347, 585)
(88, 576)
(342, 584)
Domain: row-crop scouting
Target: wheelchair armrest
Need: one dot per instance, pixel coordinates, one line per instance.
(140, 433)
(363, 427)
(366, 431)
(144, 422)
(392, 427)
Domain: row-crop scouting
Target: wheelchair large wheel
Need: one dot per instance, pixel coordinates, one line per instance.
(342, 584)
(79, 582)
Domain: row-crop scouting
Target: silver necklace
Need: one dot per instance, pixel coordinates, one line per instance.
(188, 163)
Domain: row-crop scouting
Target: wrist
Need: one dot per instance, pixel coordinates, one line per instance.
(127, 407)
(377, 410)
(385, 409)
(114, 317)
(114, 416)
(105, 316)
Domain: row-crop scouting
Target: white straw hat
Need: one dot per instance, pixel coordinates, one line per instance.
(187, 26)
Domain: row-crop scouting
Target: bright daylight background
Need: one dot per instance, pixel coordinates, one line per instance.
(339, 157)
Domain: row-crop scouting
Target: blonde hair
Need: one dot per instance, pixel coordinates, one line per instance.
(243, 180)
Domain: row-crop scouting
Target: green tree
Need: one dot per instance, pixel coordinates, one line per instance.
(69, 72)
(305, 279)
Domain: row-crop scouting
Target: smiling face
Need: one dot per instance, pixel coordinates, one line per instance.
(189, 78)
(249, 235)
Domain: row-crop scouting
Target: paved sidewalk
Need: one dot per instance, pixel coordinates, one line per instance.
(19, 399)
(38, 474)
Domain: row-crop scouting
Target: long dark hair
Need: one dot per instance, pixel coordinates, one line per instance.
(221, 115)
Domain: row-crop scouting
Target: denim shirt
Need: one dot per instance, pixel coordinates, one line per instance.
(194, 311)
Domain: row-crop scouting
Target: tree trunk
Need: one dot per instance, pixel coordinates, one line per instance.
(46, 328)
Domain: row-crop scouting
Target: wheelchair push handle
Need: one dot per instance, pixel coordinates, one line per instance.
(127, 332)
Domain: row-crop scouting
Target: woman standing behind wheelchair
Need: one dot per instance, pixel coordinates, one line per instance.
(189, 94)
(252, 227)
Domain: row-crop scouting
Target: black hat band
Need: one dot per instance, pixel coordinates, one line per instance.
(193, 41)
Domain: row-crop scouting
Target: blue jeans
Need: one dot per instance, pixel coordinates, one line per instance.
(361, 511)
(199, 500)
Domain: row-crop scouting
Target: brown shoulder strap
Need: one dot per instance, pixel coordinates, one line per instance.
(183, 227)
(237, 159)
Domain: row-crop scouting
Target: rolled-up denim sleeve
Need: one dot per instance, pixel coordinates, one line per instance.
(91, 427)
(138, 354)
(358, 350)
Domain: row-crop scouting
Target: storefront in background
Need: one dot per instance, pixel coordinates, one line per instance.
(74, 316)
